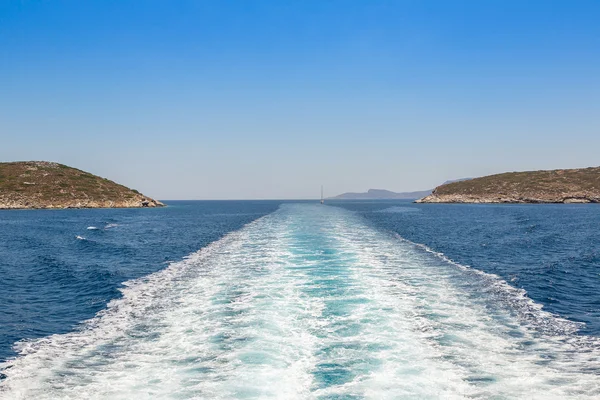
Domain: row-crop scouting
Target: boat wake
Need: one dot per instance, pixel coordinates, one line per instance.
(312, 302)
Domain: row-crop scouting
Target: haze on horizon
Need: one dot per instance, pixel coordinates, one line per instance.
(269, 99)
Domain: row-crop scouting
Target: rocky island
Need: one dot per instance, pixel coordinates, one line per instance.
(555, 186)
(42, 184)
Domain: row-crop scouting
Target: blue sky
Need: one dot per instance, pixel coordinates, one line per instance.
(271, 99)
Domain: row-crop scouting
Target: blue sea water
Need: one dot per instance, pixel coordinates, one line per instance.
(267, 299)
(51, 280)
(550, 250)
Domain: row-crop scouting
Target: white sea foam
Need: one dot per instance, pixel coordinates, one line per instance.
(310, 302)
(528, 311)
(79, 237)
(92, 228)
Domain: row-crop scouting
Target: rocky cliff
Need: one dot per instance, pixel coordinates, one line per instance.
(41, 184)
(555, 186)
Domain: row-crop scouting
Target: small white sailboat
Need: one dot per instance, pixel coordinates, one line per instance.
(322, 200)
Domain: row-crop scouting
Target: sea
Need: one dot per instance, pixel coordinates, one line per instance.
(297, 300)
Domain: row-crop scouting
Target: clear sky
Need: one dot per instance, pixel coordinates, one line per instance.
(271, 99)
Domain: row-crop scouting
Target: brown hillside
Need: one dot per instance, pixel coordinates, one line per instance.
(555, 186)
(41, 184)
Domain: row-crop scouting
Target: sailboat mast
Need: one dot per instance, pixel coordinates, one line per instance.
(322, 201)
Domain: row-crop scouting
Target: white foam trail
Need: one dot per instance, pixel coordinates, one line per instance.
(528, 311)
(486, 344)
(219, 324)
(310, 302)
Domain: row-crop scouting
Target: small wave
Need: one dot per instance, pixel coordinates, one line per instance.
(109, 226)
(80, 237)
(92, 228)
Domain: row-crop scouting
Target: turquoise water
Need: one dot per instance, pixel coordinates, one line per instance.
(313, 302)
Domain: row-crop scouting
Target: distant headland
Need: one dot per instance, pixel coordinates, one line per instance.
(380, 194)
(49, 185)
(554, 186)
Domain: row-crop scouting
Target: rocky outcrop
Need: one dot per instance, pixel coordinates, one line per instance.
(12, 203)
(46, 185)
(556, 186)
(457, 198)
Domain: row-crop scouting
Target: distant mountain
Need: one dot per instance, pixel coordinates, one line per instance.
(457, 180)
(380, 194)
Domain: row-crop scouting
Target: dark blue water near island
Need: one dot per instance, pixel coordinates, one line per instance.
(273, 299)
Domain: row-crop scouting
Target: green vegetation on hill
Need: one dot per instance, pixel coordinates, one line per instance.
(555, 186)
(41, 184)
